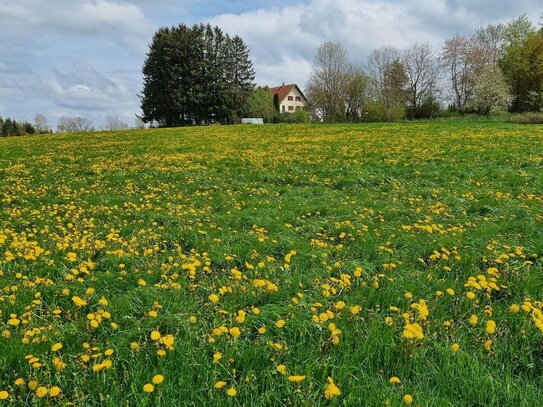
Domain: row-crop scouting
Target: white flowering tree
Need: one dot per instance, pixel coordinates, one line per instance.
(491, 94)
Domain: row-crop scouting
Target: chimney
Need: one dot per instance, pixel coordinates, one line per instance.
(283, 84)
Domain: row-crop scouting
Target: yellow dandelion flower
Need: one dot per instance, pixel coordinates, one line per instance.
(490, 327)
(488, 345)
(331, 390)
(78, 301)
(148, 388)
(408, 399)
(281, 369)
(4, 395)
(155, 335)
(56, 347)
(55, 391)
(157, 379)
(231, 392)
(41, 392)
(413, 331)
(394, 380)
(235, 332)
(296, 379)
(220, 384)
(455, 347)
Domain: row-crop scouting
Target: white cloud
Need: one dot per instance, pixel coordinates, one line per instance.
(115, 21)
(86, 89)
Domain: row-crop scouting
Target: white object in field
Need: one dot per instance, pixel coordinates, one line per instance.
(252, 120)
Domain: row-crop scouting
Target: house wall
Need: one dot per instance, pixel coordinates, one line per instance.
(290, 106)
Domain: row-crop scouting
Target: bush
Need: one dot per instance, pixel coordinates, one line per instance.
(376, 112)
(299, 116)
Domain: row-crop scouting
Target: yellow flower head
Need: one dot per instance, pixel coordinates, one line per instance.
(157, 379)
(490, 327)
(148, 388)
(220, 384)
(331, 390)
(56, 347)
(235, 332)
(41, 391)
(280, 323)
(413, 331)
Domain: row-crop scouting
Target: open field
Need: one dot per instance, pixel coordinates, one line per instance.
(274, 265)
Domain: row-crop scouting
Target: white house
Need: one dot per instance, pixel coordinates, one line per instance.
(291, 98)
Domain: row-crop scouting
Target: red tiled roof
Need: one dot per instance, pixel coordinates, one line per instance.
(284, 90)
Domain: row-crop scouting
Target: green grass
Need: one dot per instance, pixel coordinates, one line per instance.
(178, 209)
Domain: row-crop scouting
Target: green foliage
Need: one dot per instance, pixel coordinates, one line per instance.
(428, 109)
(522, 64)
(260, 104)
(377, 111)
(298, 116)
(10, 127)
(276, 103)
(195, 75)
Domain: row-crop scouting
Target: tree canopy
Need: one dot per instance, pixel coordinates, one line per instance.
(195, 75)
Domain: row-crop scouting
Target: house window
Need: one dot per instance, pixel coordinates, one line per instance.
(298, 99)
(290, 98)
(291, 108)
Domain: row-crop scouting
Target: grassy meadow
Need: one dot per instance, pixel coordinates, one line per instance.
(280, 265)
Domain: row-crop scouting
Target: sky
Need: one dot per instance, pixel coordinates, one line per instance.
(84, 57)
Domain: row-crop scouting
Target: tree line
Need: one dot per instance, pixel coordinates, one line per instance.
(497, 68)
(66, 124)
(11, 127)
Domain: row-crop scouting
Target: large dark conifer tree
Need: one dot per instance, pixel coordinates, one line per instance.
(195, 75)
